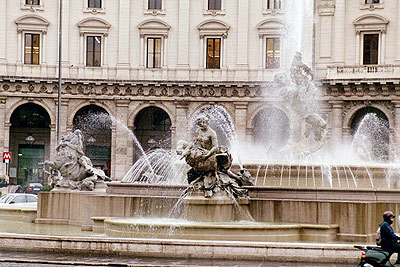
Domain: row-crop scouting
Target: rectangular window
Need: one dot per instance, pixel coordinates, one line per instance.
(93, 51)
(273, 53)
(32, 2)
(371, 48)
(213, 53)
(154, 4)
(214, 4)
(372, 1)
(273, 4)
(32, 48)
(153, 52)
(94, 3)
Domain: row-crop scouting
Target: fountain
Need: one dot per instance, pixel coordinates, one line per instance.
(291, 191)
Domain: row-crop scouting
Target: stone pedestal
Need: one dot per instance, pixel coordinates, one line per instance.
(219, 208)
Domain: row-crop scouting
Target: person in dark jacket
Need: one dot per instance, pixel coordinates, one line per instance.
(389, 238)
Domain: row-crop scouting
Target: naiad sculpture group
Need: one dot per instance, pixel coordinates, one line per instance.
(71, 168)
(210, 164)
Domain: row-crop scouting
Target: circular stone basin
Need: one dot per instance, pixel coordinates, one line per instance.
(230, 231)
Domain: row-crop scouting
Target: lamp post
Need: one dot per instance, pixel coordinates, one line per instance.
(59, 77)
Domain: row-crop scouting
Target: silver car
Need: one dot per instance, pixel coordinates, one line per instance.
(17, 198)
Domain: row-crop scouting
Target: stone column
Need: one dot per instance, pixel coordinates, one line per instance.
(141, 58)
(44, 47)
(358, 48)
(121, 141)
(339, 28)
(123, 39)
(183, 33)
(382, 50)
(82, 50)
(240, 121)
(336, 123)
(180, 129)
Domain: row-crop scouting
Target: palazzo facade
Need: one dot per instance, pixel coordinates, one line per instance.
(151, 65)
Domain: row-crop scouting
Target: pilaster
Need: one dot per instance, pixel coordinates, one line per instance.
(339, 31)
(396, 121)
(241, 120)
(123, 39)
(243, 31)
(398, 33)
(336, 123)
(181, 122)
(183, 32)
(121, 140)
(3, 32)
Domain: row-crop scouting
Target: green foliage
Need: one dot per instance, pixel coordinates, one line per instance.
(47, 188)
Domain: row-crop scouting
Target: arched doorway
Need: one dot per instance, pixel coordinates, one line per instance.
(370, 130)
(95, 124)
(271, 129)
(152, 129)
(29, 144)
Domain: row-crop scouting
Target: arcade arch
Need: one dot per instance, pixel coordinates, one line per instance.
(369, 128)
(271, 129)
(29, 143)
(95, 124)
(152, 129)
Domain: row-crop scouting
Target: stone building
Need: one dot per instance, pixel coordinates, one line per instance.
(151, 65)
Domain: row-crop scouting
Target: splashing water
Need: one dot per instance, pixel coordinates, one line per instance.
(158, 166)
(371, 139)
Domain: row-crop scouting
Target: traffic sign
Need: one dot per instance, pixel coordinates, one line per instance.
(6, 157)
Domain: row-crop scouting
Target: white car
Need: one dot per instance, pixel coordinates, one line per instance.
(17, 198)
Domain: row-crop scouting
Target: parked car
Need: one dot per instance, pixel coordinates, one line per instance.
(18, 198)
(33, 188)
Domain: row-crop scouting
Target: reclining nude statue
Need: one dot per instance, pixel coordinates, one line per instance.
(71, 168)
(210, 164)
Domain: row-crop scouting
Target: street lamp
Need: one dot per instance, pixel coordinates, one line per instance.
(151, 143)
(91, 140)
(30, 139)
(59, 75)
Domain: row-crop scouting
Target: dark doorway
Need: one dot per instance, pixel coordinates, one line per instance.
(152, 129)
(271, 129)
(95, 124)
(370, 129)
(29, 143)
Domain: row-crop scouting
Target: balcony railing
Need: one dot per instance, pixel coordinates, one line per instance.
(363, 72)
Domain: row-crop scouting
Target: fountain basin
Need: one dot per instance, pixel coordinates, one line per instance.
(323, 175)
(227, 231)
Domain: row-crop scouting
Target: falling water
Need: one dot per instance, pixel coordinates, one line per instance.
(159, 166)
